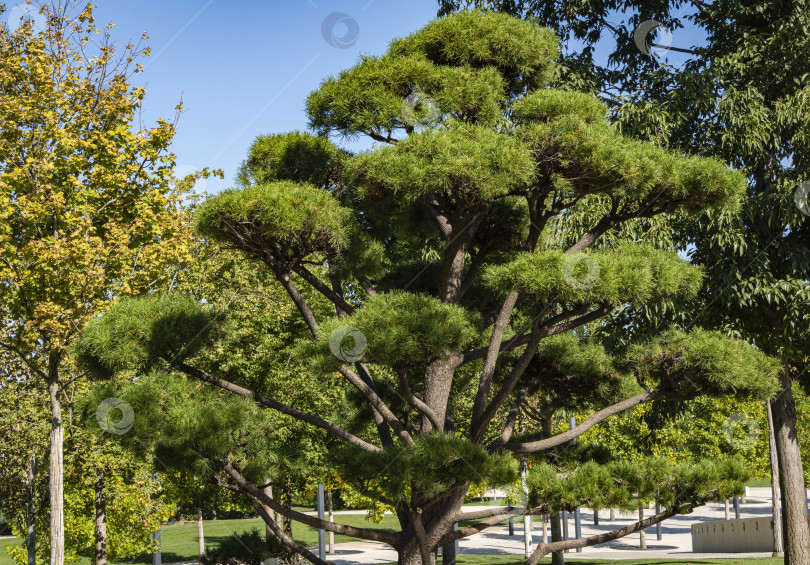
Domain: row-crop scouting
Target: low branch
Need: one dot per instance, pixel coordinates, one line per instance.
(321, 287)
(588, 423)
(278, 406)
(377, 403)
(285, 539)
(544, 549)
(352, 531)
(511, 418)
(408, 396)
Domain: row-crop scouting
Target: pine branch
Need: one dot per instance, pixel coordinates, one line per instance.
(278, 406)
(251, 489)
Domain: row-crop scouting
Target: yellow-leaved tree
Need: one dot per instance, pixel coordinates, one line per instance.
(88, 208)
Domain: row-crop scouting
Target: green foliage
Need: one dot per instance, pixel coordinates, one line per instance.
(296, 156)
(550, 104)
(279, 223)
(617, 484)
(246, 548)
(138, 332)
(705, 362)
(572, 372)
(522, 53)
(434, 465)
(629, 273)
(462, 165)
(401, 329)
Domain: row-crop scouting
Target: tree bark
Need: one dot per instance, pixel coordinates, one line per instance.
(791, 475)
(557, 558)
(31, 513)
(612, 514)
(778, 546)
(56, 468)
(200, 533)
(642, 540)
(100, 503)
(268, 532)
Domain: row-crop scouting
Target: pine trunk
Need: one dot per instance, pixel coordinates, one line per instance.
(778, 546)
(612, 514)
(557, 558)
(56, 470)
(31, 514)
(791, 476)
(268, 533)
(100, 503)
(200, 533)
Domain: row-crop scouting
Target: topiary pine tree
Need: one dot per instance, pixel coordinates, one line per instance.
(442, 254)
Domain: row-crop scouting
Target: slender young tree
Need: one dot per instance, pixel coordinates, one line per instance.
(739, 93)
(453, 256)
(86, 205)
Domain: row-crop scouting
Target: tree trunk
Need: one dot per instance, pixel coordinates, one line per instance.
(642, 543)
(268, 531)
(101, 520)
(56, 471)
(200, 534)
(411, 554)
(331, 519)
(778, 546)
(612, 514)
(791, 476)
(557, 558)
(31, 514)
(545, 529)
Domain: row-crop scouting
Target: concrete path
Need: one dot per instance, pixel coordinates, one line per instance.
(676, 540)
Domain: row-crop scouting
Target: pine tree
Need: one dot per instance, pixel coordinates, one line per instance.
(449, 260)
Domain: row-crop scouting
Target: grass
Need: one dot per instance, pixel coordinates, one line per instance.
(179, 543)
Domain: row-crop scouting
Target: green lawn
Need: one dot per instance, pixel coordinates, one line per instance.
(180, 544)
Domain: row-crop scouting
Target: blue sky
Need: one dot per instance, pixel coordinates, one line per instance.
(245, 68)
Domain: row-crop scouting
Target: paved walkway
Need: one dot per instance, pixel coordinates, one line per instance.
(676, 540)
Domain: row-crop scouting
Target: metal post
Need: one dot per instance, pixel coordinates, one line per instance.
(321, 531)
(578, 527)
(511, 521)
(658, 535)
(564, 516)
(449, 550)
(737, 507)
(596, 517)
